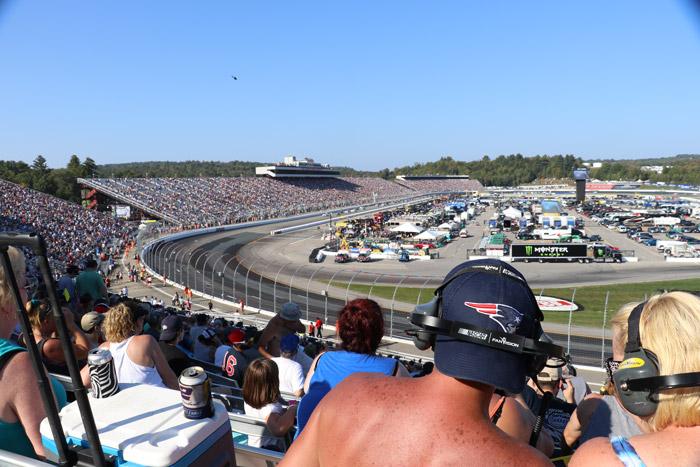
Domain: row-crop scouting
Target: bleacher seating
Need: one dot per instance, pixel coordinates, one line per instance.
(215, 201)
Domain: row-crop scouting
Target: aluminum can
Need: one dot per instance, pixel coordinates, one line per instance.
(103, 375)
(195, 390)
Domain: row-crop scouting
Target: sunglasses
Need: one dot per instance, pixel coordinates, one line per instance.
(611, 366)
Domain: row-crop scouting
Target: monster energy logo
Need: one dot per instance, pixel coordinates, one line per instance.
(528, 250)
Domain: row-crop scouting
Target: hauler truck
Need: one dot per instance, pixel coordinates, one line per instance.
(563, 252)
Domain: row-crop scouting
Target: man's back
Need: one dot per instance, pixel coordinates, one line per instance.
(89, 282)
(436, 420)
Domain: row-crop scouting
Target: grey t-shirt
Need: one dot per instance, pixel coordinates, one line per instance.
(610, 419)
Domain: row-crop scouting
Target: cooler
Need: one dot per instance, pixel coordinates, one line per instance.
(145, 426)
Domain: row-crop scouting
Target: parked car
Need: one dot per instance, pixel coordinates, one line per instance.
(595, 238)
(649, 242)
(622, 228)
(527, 236)
(641, 236)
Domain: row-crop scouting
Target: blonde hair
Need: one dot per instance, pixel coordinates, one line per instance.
(34, 309)
(619, 323)
(19, 267)
(118, 324)
(670, 327)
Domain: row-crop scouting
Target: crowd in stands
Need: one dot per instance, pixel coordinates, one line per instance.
(456, 185)
(215, 201)
(71, 232)
(487, 404)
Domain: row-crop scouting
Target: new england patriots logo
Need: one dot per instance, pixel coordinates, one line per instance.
(507, 317)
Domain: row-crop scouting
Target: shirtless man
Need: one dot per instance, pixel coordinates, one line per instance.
(286, 322)
(443, 418)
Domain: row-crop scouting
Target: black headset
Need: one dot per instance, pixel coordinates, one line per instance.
(428, 317)
(637, 380)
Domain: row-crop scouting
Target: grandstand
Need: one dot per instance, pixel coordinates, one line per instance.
(71, 232)
(218, 201)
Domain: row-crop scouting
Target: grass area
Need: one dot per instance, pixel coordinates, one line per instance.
(590, 299)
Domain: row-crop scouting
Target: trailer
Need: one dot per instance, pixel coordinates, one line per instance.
(564, 252)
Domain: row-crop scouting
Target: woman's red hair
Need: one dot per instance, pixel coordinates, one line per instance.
(361, 326)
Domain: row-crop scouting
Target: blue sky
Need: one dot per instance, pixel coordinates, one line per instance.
(363, 84)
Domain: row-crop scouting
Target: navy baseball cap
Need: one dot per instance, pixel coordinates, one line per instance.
(289, 343)
(486, 298)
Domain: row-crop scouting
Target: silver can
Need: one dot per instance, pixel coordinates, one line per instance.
(195, 389)
(103, 375)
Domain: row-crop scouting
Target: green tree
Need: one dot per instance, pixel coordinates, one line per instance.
(89, 168)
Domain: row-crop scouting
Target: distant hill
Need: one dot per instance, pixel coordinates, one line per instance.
(511, 170)
(651, 160)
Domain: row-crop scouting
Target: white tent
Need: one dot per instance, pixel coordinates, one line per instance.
(513, 213)
(407, 228)
(445, 226)
(429, 235)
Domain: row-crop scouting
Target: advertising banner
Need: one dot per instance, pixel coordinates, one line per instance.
(122, 212)
(568, 250)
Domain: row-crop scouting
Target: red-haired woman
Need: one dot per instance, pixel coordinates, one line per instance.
(360, 327)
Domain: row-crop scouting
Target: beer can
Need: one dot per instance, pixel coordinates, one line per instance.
(103, 375)
(195, 389)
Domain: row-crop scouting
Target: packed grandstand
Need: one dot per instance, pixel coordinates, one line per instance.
(217, 201)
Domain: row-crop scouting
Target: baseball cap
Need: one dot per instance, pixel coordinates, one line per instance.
(90, 320)
(550, 374)
(236, 336)
(100, 306)
(487, 298)
(289, 343)
(290, 312)
(169, 328)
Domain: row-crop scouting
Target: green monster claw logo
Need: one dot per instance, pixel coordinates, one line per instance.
(528, 250)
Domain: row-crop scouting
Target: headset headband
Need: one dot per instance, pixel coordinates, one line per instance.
(634, 339)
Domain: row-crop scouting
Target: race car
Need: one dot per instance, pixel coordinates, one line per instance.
(364, 257)
(342, 258)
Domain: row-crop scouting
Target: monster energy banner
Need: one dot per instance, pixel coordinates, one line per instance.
(548, 251)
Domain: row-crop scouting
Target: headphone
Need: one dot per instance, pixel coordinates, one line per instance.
(637, 379)
(428, 317)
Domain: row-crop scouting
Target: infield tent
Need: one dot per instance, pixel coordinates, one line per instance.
(429, 235)
(407, 228)
(513, 213)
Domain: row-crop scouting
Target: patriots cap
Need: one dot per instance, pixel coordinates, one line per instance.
(493, 302)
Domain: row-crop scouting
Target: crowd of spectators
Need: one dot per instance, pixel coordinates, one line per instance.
(343, 384)
(456, 185)
(216, 201)
(71, 232)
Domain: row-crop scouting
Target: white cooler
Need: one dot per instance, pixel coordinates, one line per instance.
(145, 426)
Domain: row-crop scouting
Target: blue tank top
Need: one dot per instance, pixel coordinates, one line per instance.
(331, 369)
(12, 435)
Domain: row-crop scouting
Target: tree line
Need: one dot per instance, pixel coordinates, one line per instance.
(61, 182)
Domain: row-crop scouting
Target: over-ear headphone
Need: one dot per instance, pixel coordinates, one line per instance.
(637, 380)
(428, 317)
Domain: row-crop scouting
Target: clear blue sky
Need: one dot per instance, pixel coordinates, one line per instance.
(364, 84)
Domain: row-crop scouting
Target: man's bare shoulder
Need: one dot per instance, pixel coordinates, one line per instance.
(405, 419)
